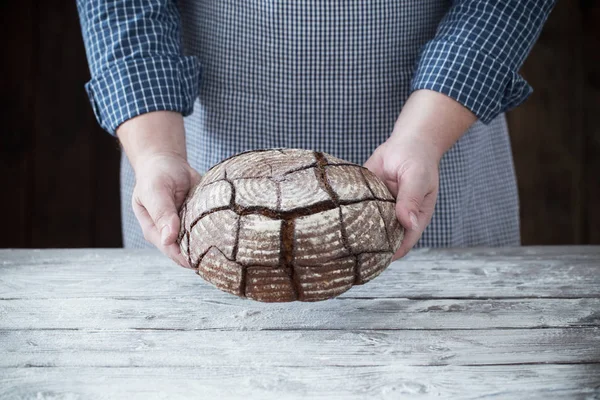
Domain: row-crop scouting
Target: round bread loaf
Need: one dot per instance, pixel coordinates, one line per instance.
(287, 224)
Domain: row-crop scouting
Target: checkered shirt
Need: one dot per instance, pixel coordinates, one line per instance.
(328, 75)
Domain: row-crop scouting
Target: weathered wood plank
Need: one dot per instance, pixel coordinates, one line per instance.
(230, 313)
(569, 272)
(114, 324)
(349, 348)
(574, 253)
(259, 381)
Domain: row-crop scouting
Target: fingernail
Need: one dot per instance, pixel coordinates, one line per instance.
(164, 234)
(414, 221)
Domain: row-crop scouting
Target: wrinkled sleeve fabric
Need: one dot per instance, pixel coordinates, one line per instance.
(477, 51)
(136, 61)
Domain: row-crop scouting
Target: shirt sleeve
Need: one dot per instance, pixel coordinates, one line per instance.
(477, 51)
(135, 57)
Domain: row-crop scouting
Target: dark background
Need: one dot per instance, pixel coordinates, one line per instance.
(59, 171)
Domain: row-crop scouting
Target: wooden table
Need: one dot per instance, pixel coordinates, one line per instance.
(470, 323)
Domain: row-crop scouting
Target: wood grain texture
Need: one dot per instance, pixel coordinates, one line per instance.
(536, 272)
(129, 324)
(351, 348)
(260, 381)
(223, 313)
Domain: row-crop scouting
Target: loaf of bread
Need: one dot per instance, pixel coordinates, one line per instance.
(282, 225)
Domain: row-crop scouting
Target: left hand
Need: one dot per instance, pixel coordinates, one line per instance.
(410, 170)
(408, 162)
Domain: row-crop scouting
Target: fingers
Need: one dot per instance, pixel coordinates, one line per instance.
(415, 203)
(411, 193)
(161, 207)
(411, 237)
(413, 233)
(152, 235)
(373, 163)
(174, 253)
(162, 184)
(411, 172)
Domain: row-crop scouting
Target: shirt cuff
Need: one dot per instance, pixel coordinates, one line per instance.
(475, 79)
(137, 86)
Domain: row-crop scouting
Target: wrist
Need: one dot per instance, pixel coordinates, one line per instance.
(432, 120)
(417, 143)
(151, 134)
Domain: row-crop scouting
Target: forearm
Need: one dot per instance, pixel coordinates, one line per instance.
(434, 119)
(159, 132)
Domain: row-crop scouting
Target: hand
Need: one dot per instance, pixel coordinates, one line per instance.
(163, 181)
(410, 171)
(155, 145)
(408, 162)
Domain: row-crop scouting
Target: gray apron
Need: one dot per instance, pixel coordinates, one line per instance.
(332, 75)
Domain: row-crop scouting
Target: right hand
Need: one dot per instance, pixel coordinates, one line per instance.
(155, 146)
(162, 183)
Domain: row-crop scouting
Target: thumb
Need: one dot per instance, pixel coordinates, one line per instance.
(160, 204)
(411, 193)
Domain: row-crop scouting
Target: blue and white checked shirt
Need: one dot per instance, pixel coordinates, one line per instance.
(327, 75)
(137, 64)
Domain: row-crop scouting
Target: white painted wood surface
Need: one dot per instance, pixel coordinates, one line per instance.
(262, 381)
(464, 323)
(472, 273)
(182, 313)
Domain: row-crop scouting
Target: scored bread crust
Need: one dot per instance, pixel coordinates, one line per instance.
(282, 225)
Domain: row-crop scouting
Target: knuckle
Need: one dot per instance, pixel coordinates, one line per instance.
(421, 170)
(159, 214)
(135, 196)
(413, 201)
(161, 218)
(155, 184)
